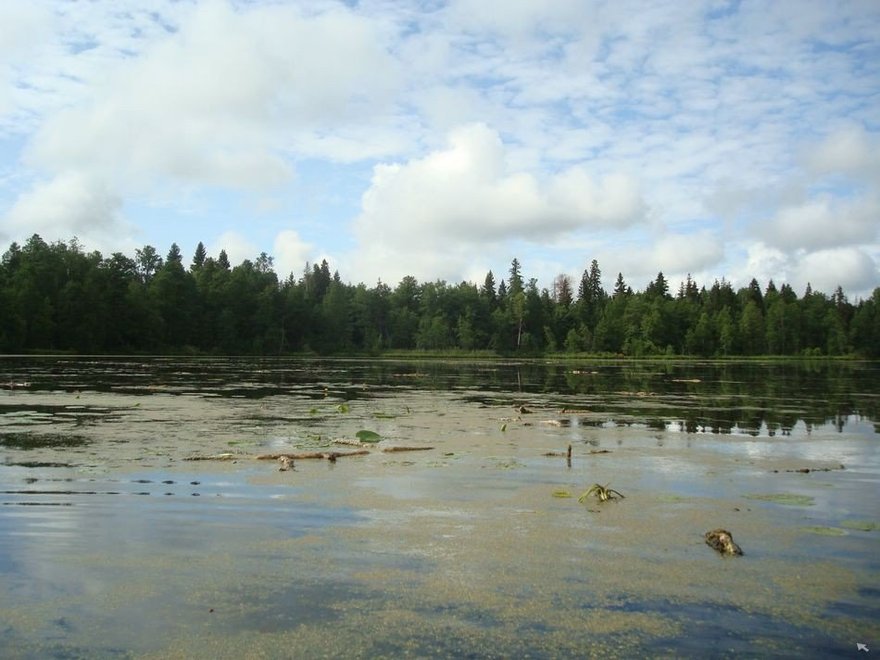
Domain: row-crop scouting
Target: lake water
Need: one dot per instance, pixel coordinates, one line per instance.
(114, 543)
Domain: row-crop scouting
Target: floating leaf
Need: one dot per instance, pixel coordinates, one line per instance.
(382, 415)
(504, 427)
(561, 493)
(861, 525)
(789, 499)
(368, 436)
(342, 408)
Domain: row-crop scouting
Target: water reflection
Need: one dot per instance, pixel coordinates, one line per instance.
(757, 398)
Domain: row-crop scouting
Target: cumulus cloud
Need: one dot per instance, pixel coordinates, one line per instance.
(466, 193)
(825, 270)
(237, 246)
(71, 203)
(686, 253)
(205, 105)
(465, 199)
(291, 253)
(850, 151)
(852, 268)
(489, 133)
(823, 222)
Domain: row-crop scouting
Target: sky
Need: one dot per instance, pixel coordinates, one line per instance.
(442, 139)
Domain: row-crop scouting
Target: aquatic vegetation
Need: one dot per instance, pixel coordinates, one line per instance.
(561, 493)
(722, 541)
(343, 408)
(34, 440)
(823, 531)
(789, 499)
(602, 493)
(861, 525)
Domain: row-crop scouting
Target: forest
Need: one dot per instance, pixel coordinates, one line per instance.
(56, 297)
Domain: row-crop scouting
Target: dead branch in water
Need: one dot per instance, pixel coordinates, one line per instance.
(328, 455)
(393, 449)
(215, 457)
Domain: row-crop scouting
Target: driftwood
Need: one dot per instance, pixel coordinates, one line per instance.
(215, 457)
(393, 449)
(822, 469)
(328, 455)
(346, 441)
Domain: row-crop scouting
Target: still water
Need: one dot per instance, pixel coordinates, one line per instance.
(115, 543)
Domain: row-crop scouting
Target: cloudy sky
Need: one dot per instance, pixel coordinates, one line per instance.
(441, 139)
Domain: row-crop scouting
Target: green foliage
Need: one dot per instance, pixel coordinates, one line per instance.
(56, 297)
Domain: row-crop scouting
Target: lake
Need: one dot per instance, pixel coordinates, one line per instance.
(137, 520)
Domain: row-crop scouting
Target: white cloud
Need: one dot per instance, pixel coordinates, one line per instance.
(237, 246)
(677, 255)
(850, 268)
(464, 198)
(824, 222)
(574, 118)
(210, 103)
(23, 26)
(71, 203)
(291, 253)
(466, 192)
(850, 151)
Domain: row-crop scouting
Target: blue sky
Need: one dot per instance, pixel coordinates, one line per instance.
(443, 139)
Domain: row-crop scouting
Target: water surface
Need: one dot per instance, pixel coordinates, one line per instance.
(114, 544)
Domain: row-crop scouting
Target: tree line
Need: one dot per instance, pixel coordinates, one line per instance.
(57, 297)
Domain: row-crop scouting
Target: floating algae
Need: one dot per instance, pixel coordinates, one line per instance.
(861, 525)
(789, 499)
(824, 531)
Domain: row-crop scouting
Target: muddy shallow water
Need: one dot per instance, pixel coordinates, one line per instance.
(113, 543)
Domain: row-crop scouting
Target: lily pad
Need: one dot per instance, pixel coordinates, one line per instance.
(343, 408)
(861, 525)
(368, 436)
(824, 531)
(789, 499)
